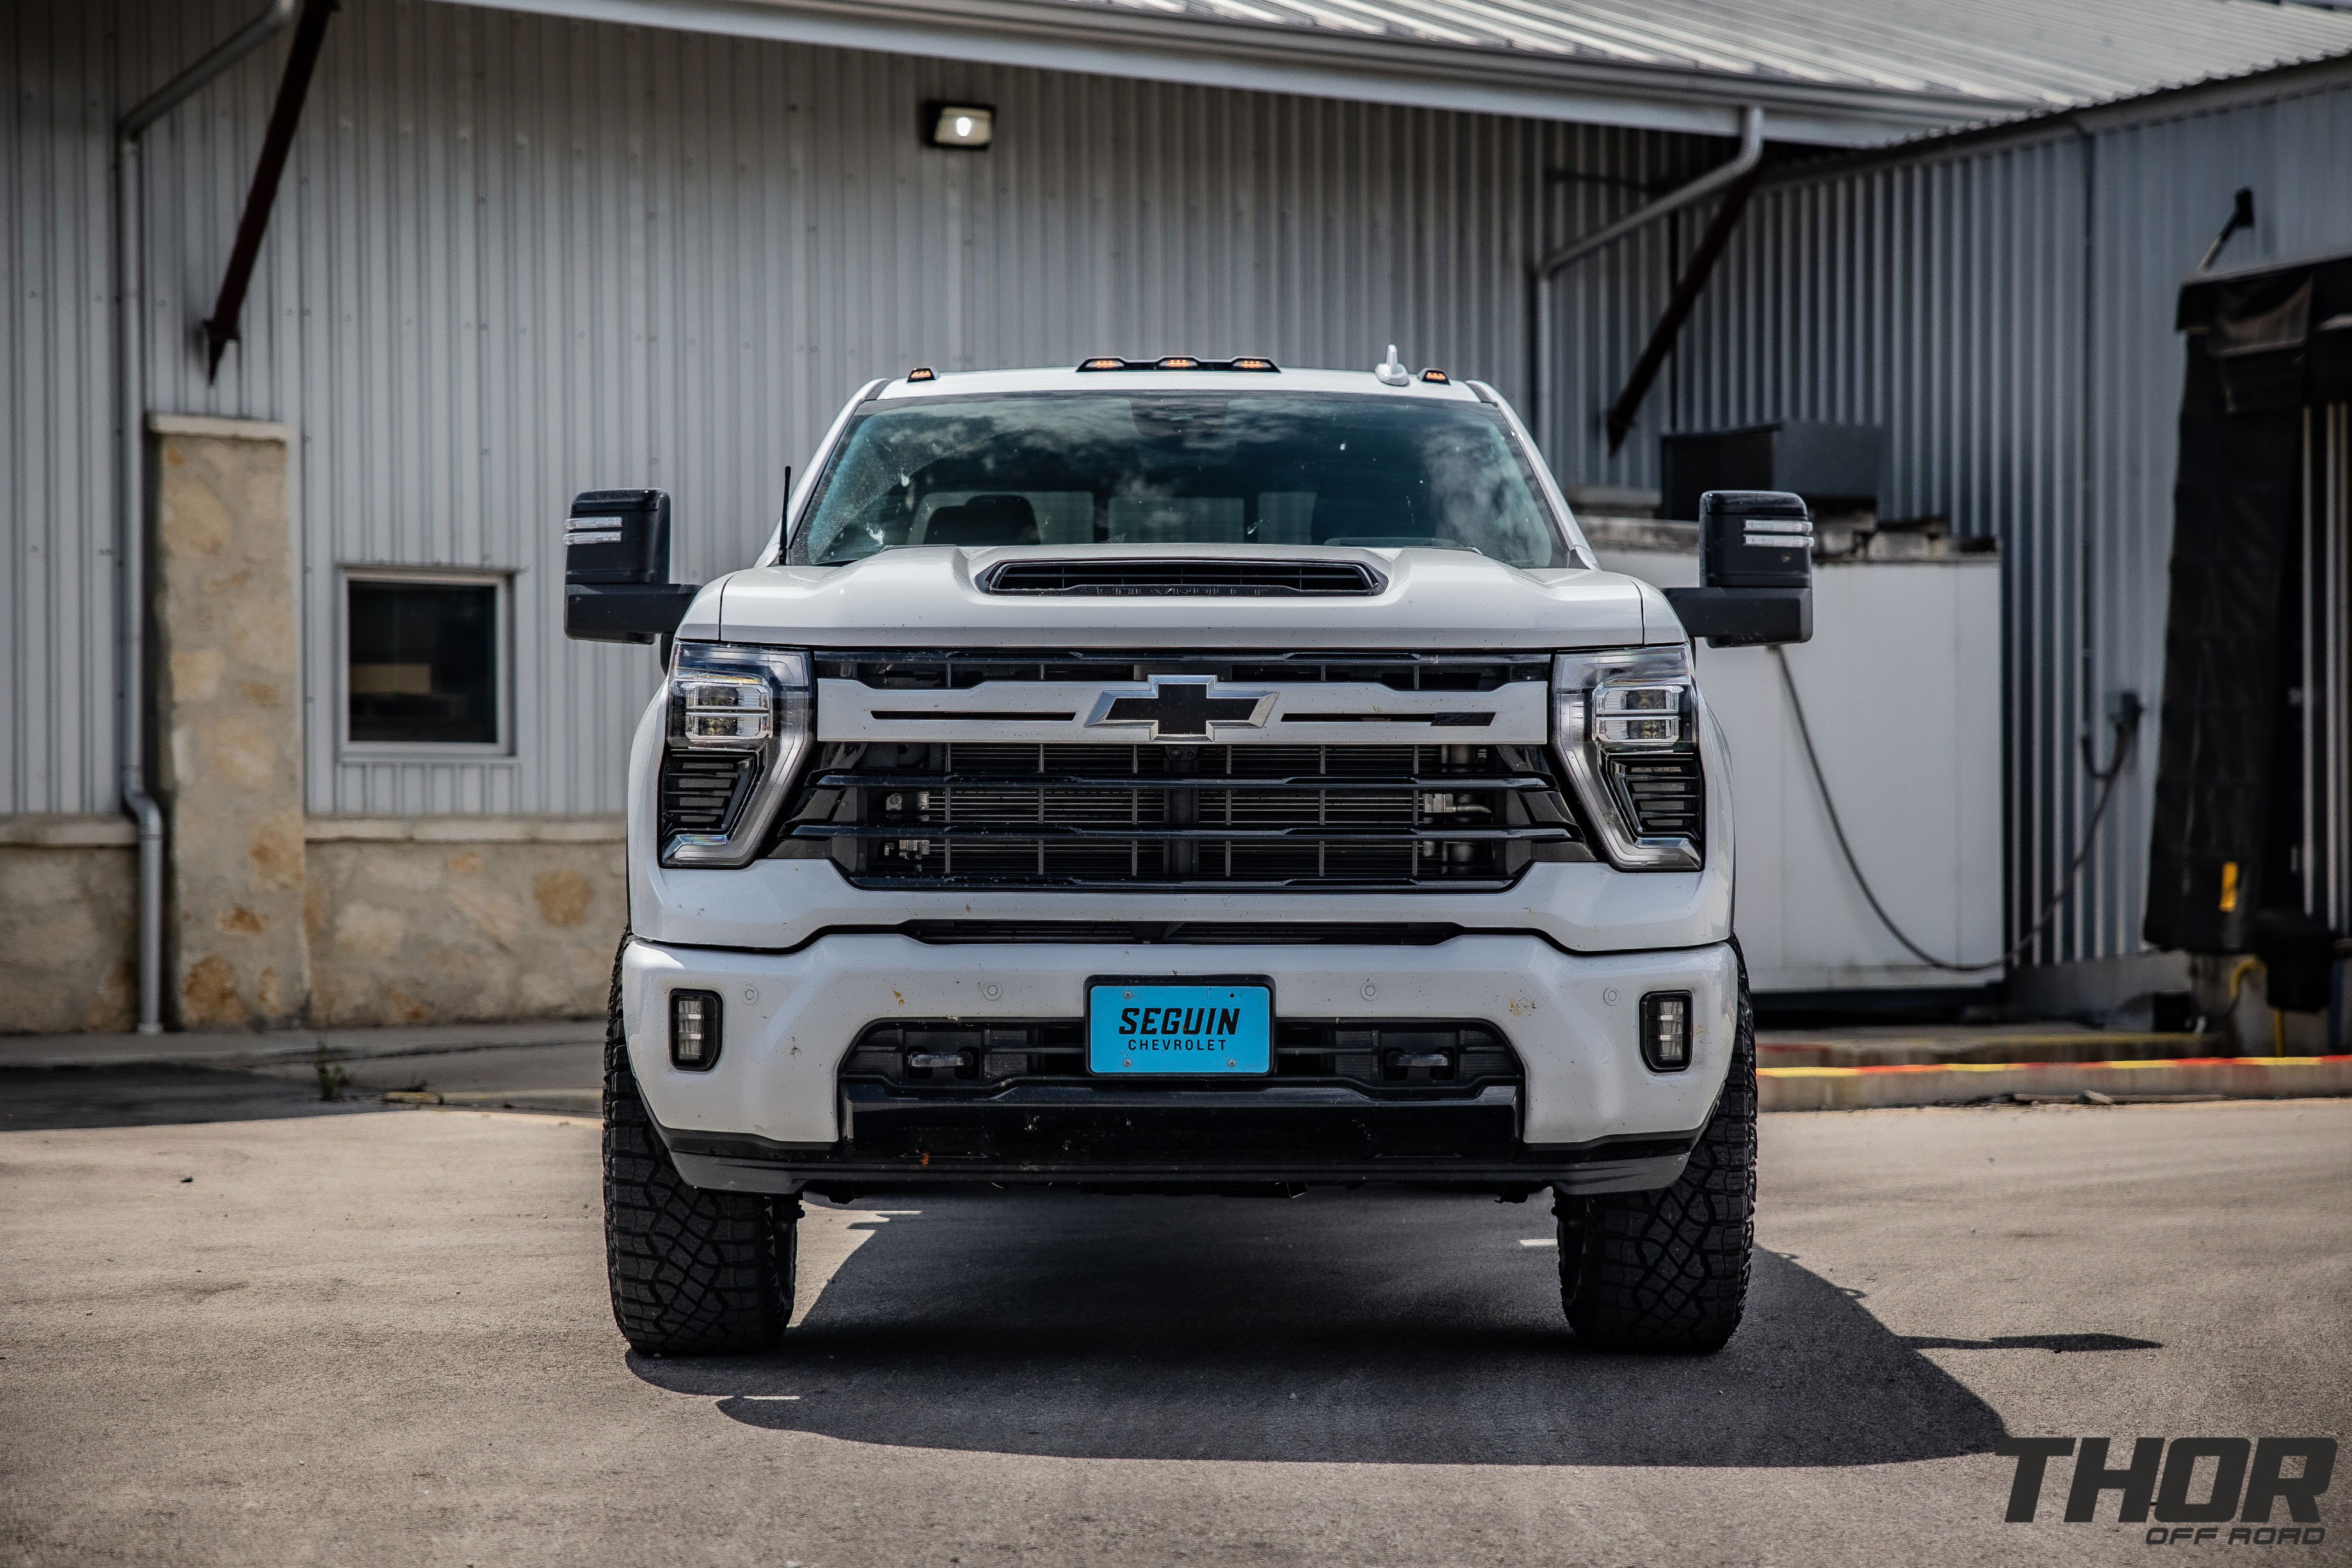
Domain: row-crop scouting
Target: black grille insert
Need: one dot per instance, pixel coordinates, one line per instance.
(1415, 1059)
(1188, 932)
(1000, 814)
(1190, 578)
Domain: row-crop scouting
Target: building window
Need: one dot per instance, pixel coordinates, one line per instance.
(424, 663)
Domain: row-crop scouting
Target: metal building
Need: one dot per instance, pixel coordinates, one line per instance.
(2002, 302)
(524, 248)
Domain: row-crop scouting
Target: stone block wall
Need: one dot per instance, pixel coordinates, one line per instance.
(69, 925)
(462, 920)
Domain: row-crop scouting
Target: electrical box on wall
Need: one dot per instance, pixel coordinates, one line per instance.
(1838, 469)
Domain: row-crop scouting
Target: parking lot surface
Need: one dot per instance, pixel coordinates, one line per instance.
(342, 1333)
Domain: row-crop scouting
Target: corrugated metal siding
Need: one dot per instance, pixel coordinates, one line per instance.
(514, 257)
(1943, 296)
(57, 358)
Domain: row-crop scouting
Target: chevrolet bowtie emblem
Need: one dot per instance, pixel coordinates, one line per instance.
(1180, 707)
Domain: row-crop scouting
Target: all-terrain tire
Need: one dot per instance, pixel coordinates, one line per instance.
(694, 1272)
(1667, 1271)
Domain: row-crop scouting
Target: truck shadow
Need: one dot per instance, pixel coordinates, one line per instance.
(1372, 1328)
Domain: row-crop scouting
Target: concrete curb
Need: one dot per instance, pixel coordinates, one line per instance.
(233, 1050)
(587, 1102)
(1953, 1083)
(1784, 1048)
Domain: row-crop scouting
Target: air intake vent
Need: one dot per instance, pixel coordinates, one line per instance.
(1190, 578)
(701, 790)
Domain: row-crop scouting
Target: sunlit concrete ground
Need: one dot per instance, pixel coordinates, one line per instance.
(301, 1332)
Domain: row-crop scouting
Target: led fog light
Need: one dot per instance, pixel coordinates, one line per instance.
(694, 1029)
(1665, 1030)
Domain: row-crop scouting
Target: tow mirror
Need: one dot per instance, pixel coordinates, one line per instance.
(1756, 570)
(617, 586)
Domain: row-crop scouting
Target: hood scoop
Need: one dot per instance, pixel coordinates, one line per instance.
(1184, 578)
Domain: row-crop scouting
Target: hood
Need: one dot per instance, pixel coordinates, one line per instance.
(930, 596)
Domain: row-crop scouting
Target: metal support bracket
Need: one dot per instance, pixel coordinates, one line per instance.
(293, 89)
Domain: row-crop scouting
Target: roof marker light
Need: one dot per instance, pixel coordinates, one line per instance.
(922, 373)
(1435, 374)
(1257, 362)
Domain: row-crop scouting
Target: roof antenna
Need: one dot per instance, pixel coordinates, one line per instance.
(1390, 372)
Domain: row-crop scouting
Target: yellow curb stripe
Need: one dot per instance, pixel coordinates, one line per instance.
(2186, 1061)
(1933, 1042)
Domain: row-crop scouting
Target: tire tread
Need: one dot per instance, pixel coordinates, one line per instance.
(693, 1272)
(1668, 1270)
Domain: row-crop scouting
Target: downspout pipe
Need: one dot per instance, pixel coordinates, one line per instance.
(1721, 177)
(130, 486)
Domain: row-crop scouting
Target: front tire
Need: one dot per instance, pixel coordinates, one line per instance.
(693, 1272)
(1667, 1271)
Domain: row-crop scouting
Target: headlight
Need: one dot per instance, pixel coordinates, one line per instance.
(1625, 727)
(740, 719)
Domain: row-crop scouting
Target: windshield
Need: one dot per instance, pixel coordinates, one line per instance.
(1166, 468)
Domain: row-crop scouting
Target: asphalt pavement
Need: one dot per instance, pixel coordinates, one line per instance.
(240, 1324)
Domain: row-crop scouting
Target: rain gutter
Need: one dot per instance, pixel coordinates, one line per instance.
(1540, 275)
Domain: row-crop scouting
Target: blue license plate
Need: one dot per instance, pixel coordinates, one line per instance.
(1148, 1029)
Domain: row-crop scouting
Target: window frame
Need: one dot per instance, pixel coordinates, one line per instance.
(502, 583)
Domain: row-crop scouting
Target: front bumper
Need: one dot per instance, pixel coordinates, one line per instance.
(1180, 1140)
(774, 1114)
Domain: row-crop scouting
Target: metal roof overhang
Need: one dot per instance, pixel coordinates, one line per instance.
(1313, 63)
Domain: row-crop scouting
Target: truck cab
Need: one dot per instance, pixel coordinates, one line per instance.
(1179, 776)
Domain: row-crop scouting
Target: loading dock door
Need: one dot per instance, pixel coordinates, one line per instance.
(2250, 773)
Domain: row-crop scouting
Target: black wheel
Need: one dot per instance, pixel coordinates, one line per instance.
(694, 1272)
(1667, 1271)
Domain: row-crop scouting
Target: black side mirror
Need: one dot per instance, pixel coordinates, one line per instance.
(617, 586)
(1756, 570)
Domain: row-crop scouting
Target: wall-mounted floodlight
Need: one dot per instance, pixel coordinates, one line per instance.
(968, 126)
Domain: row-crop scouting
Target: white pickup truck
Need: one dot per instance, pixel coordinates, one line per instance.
(1179, 776)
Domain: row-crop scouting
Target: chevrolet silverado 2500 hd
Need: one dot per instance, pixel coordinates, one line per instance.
(1179, 776)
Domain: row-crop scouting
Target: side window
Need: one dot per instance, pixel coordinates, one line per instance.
(425, 663)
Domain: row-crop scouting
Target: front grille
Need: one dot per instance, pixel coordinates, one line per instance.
(1189, 578)
(701, 791)
(995, 814)
(1415, 1059)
